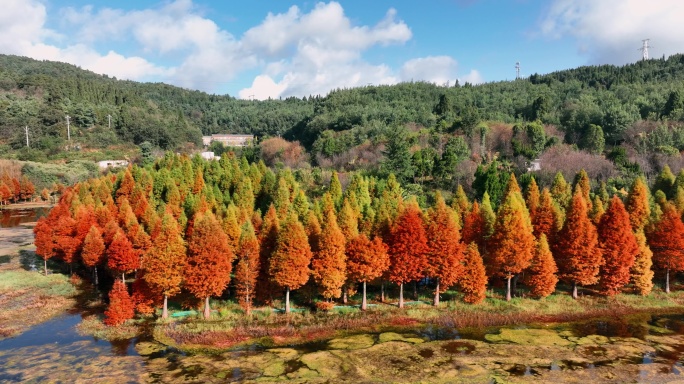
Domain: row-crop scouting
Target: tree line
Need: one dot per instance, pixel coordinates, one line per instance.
(187, 225)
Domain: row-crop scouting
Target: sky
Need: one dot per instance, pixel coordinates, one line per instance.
(280, 48)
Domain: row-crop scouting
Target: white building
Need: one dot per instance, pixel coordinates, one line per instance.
(105, 164)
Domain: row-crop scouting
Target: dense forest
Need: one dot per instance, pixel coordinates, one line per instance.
(190, 229)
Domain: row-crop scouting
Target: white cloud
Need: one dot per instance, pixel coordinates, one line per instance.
(610, 31)
(297, 53)
(434, 69)
(24, 33)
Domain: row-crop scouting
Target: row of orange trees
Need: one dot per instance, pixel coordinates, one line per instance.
(197, 226)
(14, 189)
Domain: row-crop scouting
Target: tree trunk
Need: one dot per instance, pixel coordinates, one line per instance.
(287, 300)
(97, 282)
(344, 296)
(123, 277)
(514, 290)
(165, 310)
(363, 302)
(401, 295)
(667, 280)
(508, 288)
(436, 301)
(415, 290)
(382, 292)
(207, 310)
(574, 290)
(45, 266)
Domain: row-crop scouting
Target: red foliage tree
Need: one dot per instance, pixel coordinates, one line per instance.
(247, 268)
(366, 260)
(93, 250)
(268, 238)
(121, 257)
(44, 240)
(166, 261)
(576, 249)
(474, 227)
(545, 220)
(637, 204)
(121, 307)
(445, 249)
(473, 281)
(144, 297)
(289, 264)
(26, 187)
(408, 249)
(618, 246)
(666, 240)
(542, 278)
(125, 186)
(209, 261)
(512, 241)
(328, 266)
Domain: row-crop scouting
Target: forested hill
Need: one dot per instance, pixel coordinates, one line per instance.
(40, 93)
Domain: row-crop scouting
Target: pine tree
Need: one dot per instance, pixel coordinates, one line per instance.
(666, 240)
(166, 261)
(460, 204)
(209, 260)
(576, 248)
(366, 260)
(618, 246)
(473, 282)
(445, 251)
(542, 277)
(637, 205)
(597, 210)
(561, 191)
(126, 185)
(247, 268)
(328, 266)
(665, 181)
(582, 182)
(348, 220)
(121, 307)
(289, 264)
(335, 189)
(642, 275)
(408, 249)
(512, 241)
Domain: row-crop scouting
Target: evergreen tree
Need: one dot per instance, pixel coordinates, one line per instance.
(473, 282)
(289, 264)
(542, 277)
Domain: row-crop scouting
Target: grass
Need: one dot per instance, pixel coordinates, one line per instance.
(28, 298)
(230, 327)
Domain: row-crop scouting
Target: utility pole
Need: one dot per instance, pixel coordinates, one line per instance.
(26, 130)
(68, 128)
(644, 49)
(517, 70)
(109, 121)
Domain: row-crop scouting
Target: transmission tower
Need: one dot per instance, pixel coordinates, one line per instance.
(517, 70)
(644, 49)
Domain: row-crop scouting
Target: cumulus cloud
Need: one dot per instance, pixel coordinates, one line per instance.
(296, 52)
(610, 31)
(24, 33)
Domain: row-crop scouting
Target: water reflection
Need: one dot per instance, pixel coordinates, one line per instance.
(15, 217)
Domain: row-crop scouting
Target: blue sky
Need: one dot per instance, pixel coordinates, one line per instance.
(261, 49)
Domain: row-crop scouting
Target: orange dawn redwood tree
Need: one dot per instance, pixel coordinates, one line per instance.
(166, 261)
(546, 217)
(209, 260)
(247, 268)
(407, 248)
(473, 281)
(289, 264)
(328, 266)
(93, 250)
(637, 204)
(542, 277)
(445, 251)
(121, 307)
(44, 239)
(618, 246)
(268, 238)
(513, 241)
(121, 257)
(666, 240)
(577, 252)
(366, 260)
